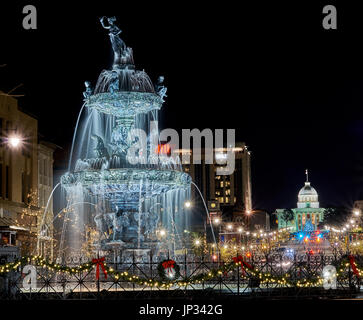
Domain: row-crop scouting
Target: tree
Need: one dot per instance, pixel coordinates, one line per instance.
(287, 215)
(335, 216)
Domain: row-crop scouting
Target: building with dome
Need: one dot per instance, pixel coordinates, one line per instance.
(307, 215)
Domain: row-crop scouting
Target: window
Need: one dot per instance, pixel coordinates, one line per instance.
(7, 182)
(1, 180)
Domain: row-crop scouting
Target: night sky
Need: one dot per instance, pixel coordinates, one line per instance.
(292, 90)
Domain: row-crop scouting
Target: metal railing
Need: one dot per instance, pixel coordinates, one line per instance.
(238, 281)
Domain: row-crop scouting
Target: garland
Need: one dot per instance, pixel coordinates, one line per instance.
(248, 272)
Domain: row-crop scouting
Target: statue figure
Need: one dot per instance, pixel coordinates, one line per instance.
(118, 46)
(101, 150)
(160, 88)
(88, 90)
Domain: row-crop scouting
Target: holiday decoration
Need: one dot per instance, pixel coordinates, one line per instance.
(100, 262)
(239, 260)
(259, 277)
(168, 270)
(353, 265)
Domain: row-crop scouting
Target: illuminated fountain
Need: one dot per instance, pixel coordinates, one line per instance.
(126, 191)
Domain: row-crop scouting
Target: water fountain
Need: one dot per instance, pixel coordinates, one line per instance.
(126, 201)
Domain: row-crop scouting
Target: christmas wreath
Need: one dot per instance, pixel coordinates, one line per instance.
(168, 270)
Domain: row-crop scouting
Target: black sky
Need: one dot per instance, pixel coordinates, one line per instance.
(292, 90)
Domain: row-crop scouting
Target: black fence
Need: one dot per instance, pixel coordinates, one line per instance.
(238, 282)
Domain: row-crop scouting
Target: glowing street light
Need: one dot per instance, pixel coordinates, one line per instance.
(217, 220)
(197, 242)
(187, 204)
(239, 229)
(14, 141)
(229, 227)
(356, 212)
(162, 232)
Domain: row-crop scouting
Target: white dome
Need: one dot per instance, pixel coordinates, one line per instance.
(307, 190)
(307, 197)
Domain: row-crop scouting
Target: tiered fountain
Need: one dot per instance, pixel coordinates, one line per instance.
(126, 201)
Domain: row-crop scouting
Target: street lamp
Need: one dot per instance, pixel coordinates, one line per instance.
(14, 141)
(356, 212)
(162, 232)
(187, 204)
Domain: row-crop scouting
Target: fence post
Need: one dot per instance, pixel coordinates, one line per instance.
(238, 275)
(185, 265)
(98, 280)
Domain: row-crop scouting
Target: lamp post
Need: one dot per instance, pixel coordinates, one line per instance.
(248, 215)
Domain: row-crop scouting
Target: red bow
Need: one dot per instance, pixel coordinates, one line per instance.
(99, 262)
(168, 264)
(352, 264)
(239, 259)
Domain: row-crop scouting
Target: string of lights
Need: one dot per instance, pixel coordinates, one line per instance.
(247, 272)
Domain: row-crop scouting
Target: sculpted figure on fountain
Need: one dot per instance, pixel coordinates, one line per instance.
(88, 91)
(160, 88)
(100, 149)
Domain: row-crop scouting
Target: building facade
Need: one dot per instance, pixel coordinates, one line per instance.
(308, 213)
(19, 174)
(228, 190)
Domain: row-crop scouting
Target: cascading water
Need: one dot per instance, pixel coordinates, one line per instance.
(105, 190)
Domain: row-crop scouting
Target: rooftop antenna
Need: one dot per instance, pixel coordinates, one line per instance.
(307, 175)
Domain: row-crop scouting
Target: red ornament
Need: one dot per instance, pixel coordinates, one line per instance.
(353, 265)
(99, 262)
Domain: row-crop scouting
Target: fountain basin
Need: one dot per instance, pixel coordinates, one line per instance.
(126, 177)
(124, 103)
